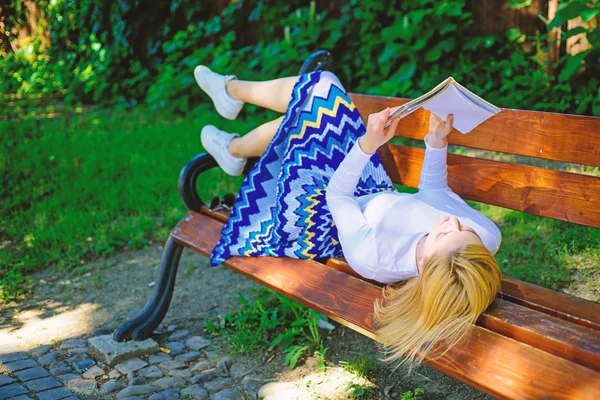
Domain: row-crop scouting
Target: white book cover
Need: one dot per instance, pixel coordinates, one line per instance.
(450, 97)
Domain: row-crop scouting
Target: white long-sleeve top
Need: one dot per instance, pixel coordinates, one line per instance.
(379, 232)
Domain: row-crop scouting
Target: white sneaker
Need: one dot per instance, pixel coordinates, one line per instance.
(216, 142)
(215, 86)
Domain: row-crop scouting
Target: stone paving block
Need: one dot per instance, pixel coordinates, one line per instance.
(32, 373)
(73, 343)
(21, 397)
(158, 358)
(12, 390)
(194, 392)
(6, 358)
(197, 343)
(228, 394)
(68, 377)
(136, 391)
(48, 359)
(40, 350)
(20, 365)
(60, 368)
(54, 394)
(107, 351)
(151, 372)
(180, 373)
(166, 395)
(39, 385)
(93, 372)
(218, 385)
(78, 357)
(175, 347)
(80, 366)
(169, 383)
(178, 335)
(190, 356)
(111, 386)
(5, 380)
(77, 350)
(132, 365)
(85, 387)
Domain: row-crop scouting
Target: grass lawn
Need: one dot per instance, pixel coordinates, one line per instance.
(84, 186)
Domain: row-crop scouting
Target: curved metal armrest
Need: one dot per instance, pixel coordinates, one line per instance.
(191, 172)
(187, 180)
(316, 61)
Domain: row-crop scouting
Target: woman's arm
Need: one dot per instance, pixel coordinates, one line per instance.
(434, 173)
(355, 233)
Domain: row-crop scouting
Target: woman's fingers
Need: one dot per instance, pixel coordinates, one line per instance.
(391, 130)
(448, 126)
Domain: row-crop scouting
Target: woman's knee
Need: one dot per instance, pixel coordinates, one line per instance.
(327, 79)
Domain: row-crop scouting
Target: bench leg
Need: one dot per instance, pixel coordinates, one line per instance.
(142, 326)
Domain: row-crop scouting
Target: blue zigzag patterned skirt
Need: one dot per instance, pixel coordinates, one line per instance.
(280, 209)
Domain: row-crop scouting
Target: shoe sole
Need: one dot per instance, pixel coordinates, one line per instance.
(198, 76)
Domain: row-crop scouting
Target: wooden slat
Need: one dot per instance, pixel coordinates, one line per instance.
(527, 315)
(548, 193)
(570, 308)
(493, 363)
(551, 334)
(552, 136)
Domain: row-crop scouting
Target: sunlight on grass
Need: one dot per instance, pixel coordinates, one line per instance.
(86, 185)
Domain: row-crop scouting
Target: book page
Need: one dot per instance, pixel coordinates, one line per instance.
(466, 114)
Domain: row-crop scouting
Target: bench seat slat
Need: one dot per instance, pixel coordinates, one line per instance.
(546, 331)
(552, 136)
(548, 193)
(489, 361)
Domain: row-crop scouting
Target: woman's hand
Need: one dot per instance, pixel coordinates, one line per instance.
(376, 135)
(439, 130)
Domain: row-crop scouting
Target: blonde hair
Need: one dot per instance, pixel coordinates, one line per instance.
(442, 304)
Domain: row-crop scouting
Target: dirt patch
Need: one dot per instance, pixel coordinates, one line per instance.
(70, 304)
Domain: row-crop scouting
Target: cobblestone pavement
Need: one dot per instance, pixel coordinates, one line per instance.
(26, 376)
(183, 367)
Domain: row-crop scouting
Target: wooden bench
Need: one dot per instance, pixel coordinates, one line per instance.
(532, 342)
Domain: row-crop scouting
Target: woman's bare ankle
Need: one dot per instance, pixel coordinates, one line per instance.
(234, 148)
(231, 87)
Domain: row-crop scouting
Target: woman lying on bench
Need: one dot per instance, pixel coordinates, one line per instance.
(319, 190)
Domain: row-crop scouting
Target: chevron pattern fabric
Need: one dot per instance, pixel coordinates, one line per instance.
(280, 210)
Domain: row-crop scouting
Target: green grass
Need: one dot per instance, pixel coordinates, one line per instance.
(270, 320)
(79, 187)
(84, 186)
(362, 365)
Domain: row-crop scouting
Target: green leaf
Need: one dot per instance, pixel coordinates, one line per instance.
(406, 70)
(515, 35)
(573, 32)
(587, 15)
(294, 354)
(434, 53)
(594, 37)
(517, 4)
(572, 65)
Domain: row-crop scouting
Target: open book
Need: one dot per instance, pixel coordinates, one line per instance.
(450, 97)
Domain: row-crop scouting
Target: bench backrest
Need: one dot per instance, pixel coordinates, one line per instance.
(566, 196)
